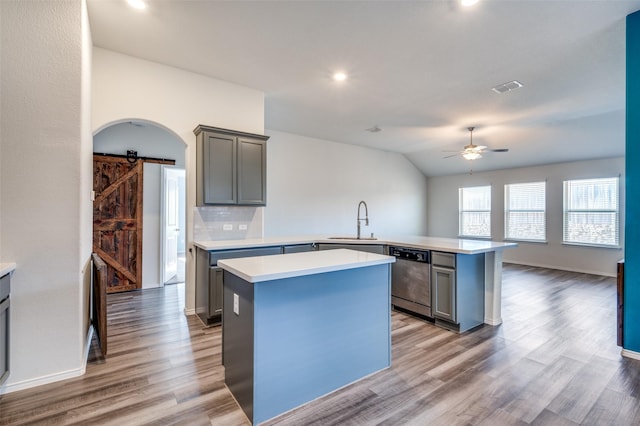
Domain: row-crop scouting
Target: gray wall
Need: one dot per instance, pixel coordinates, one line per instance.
(443, 213)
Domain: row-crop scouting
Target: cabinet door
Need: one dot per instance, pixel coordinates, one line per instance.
(252, 171)
(371, 248)
(4, 340)
(202, 284)
(219, 169)
(298, 248)
(443, 293)
(215, 291)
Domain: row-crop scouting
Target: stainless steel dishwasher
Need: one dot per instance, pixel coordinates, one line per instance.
(411, 280)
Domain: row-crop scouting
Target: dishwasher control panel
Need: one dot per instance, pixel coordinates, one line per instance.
(414, 255)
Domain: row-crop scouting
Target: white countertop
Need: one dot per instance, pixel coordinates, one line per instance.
(6, 268)
(451, 245)
(268, 268)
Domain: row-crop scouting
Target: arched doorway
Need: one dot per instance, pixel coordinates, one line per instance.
(150, 140)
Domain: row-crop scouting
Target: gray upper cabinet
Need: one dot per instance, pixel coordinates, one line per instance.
(231, 167)
(252, 171)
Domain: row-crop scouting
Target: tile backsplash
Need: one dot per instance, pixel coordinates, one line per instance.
(227, 223)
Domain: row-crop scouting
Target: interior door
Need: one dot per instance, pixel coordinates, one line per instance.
(117, 220)
(171, 223)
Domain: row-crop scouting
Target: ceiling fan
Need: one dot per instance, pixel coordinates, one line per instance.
(473, 152)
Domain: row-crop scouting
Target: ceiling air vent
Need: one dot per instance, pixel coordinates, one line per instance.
(374, 129)
(507, 87)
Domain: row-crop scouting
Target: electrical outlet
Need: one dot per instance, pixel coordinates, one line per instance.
(242, 227)
(227, 227)
(236, 304)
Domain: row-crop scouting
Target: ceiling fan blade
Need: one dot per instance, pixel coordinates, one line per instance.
(499, 150)
(452, 155)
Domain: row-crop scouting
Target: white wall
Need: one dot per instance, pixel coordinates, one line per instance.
(145, 138)
(314, 186)
(126, 88)
(443, 213)
(151, 240)
(45, 179)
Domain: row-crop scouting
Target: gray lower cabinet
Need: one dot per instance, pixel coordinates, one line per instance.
(231, 167)
(443, 286)
(371, 248)
(457, 290)
(4, 327)
(210, 282)
(299, 248)
(215, 291)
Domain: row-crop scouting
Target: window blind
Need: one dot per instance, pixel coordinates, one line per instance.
(474, 209)
(525, 211)
(591, 213)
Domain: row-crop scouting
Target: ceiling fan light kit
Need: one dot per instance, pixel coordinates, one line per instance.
(471, 155)
(473, 152)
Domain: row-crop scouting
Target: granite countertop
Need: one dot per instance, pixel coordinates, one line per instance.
(268, 268)
(450, 245)
(6, 268)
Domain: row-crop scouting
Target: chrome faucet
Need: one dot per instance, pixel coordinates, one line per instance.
(366, 218)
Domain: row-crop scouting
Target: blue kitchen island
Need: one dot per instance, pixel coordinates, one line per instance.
(298, 326)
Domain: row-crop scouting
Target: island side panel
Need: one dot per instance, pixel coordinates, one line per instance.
(493, 288)
(317, 333)
(238, 341)
(470, 270)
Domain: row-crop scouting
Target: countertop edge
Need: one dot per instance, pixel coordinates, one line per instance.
(7, 268)
(408, 242)
(330, 263)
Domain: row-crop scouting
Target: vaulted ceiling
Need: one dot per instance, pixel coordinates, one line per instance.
(422, 71)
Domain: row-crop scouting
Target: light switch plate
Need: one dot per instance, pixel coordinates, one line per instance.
(236, 304)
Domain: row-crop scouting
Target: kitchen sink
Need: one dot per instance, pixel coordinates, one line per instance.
(353, 238)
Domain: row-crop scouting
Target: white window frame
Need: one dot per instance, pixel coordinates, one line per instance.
(567, 211)
(462, 213)
(508, 188)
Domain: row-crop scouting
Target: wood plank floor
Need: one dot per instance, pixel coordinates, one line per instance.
(553, 361)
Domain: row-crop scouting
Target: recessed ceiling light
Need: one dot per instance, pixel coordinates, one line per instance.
(137, 4)
(468, 2)
(339, 76)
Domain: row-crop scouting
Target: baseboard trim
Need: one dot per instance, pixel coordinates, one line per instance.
(630, 354)
(189, 312)
(493, 322)
(45, 380)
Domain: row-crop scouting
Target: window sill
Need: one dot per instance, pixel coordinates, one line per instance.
(618, 247)
(516, 240)
(473, 237)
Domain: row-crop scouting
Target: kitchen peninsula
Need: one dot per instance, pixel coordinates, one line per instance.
(300, 325)
(490, 250)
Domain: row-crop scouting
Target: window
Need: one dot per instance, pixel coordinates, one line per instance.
(524, 211)
(475, 211)
(591, 212)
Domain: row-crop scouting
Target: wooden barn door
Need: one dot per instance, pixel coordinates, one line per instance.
(117, 220)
